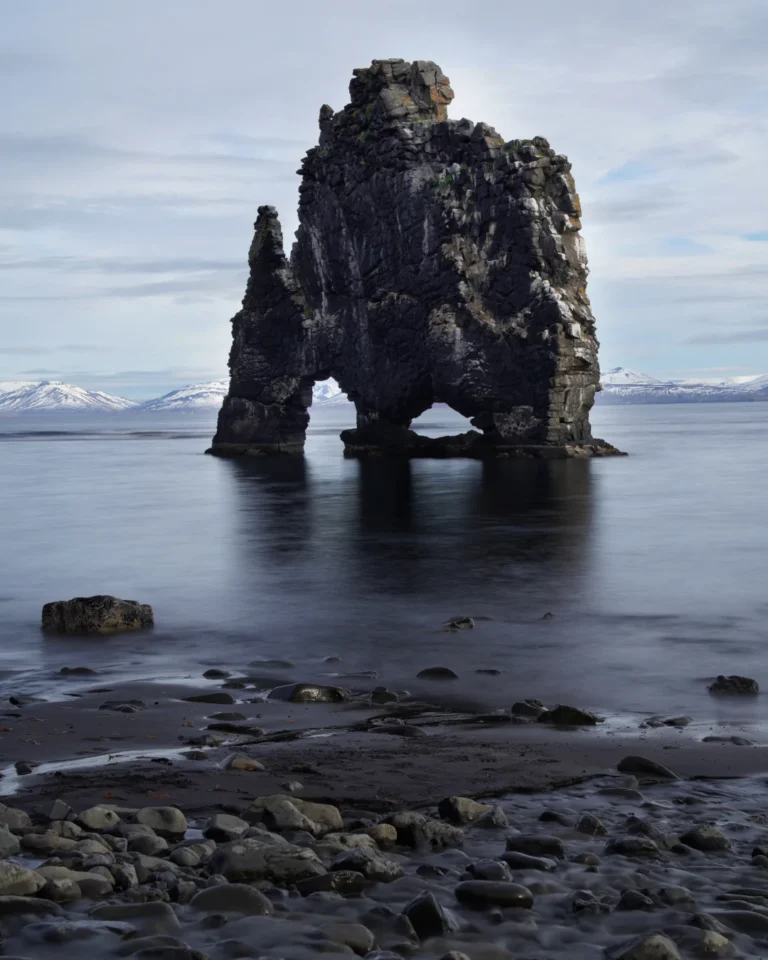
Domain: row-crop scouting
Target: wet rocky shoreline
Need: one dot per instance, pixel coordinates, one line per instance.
(633, 868)
(252, 815)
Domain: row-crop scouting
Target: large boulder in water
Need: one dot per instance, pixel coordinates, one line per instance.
(99, 614)
(734, 686)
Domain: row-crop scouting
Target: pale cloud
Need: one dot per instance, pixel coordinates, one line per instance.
(136, 144)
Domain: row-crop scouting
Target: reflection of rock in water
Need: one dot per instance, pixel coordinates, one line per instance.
(274, 501)
(385, 495)
(382, 548)
(489, 526)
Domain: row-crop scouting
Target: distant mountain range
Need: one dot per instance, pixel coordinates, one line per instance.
(52, 395)
(620, 385)
(18, 396)
(193, 397)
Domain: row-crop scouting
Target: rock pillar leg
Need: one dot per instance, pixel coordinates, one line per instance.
(249, 428)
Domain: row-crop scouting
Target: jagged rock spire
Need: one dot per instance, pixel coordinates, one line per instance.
(433, 262)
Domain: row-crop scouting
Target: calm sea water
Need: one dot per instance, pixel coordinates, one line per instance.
(654, 566)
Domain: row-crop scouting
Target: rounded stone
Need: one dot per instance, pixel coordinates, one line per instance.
(97, 614)
(224, 827)
(633, 846)
(564, 716)
(706, 838)
(233, 898)
(151, 917)
(354, 935)
(215, 696)
(18, 881)
(493, 893)
(98, 818)
(524, 861)
(643, 767)
(437, 673)
(591, 825)
(167, 822)
(536, 845)
(654, 947)
(9, 844)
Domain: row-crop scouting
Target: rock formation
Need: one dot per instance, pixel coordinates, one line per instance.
(434, 262)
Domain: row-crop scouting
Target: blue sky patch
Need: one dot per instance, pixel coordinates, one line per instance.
(631, 170)
(683, 247)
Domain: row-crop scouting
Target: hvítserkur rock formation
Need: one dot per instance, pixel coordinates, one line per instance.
(434, 262)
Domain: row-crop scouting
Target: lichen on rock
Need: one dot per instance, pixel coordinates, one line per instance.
(434, 262)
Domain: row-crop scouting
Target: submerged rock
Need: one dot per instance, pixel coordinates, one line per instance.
(309, 693)
(706, 838)
(437, 673)
(591, 825)
(215, 696)
(434, 262)
(565, 716)
(490, 893)
(233, 898)
(428, 917)
(654, 947)
(536, 845)
(633, 846)
(98, 614)
(123, 706)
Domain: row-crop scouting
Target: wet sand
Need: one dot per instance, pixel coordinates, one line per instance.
(334, 751)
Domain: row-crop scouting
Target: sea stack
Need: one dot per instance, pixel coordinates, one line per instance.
(434, 262)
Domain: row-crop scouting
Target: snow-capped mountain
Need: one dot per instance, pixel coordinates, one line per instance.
(8, 386)
(328, 393)
(621, 385)
(195, 396)
(200, 396)
(53, 395)
(753, 384)
(621, 376)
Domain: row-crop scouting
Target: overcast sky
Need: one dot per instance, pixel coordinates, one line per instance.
(137, 140)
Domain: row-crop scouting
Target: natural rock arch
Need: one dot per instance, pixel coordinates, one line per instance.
(433, 262)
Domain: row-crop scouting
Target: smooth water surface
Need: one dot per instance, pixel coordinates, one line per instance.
(654, 565)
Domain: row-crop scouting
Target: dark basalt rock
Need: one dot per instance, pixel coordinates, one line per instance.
(428, 917)
(309, 693)
(434, 262)
(99, 614)
(490, 893)
(734, 686)
(643, 767)
(437, 673)
(565, 716)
